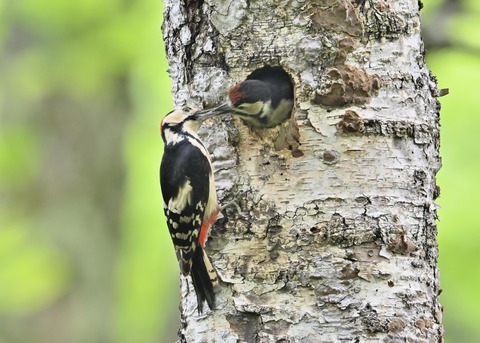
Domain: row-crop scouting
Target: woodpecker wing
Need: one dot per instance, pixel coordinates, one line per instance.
(185, 194)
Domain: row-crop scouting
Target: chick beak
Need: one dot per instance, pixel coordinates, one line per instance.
(223, 108)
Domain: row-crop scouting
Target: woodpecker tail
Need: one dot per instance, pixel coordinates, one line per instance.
(204, 277)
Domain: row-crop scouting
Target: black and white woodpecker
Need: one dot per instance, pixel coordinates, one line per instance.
(189, 198)
(263, 100)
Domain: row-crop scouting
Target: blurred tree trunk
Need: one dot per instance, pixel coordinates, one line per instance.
(340, 239)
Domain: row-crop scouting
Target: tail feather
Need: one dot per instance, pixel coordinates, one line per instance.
(203, 276)
(184, 258)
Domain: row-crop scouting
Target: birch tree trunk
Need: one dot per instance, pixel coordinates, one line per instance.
(336, 241)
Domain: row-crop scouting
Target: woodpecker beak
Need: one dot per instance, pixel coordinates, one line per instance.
(224, 108)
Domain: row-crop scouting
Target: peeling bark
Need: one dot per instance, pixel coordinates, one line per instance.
(336, 238)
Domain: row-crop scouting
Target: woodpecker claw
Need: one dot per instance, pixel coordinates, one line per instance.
(234, 202)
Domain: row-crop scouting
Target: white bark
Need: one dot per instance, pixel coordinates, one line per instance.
(339, 239)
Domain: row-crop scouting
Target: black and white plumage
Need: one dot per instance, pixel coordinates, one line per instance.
(189, 197)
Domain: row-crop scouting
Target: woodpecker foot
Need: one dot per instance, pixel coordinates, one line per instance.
(234, 202)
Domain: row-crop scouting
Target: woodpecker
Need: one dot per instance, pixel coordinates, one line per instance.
(263, 100)
(189, 198)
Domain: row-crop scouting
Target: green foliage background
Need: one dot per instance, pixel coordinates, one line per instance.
(84, 254)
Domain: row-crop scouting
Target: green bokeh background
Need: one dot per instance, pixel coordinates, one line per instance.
(84, 255)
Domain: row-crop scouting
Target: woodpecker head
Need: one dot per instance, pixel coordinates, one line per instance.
(261, 103)
(247, 99)
(250, 98)
(184, 120)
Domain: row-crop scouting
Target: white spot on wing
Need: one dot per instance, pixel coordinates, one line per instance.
(178, 203)
(200, 206)
(184, 236)
(186, 219)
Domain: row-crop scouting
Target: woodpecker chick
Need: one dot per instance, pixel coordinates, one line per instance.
(189, 198)
(263, 100)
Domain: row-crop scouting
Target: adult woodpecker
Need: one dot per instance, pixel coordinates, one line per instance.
(189, 198)
(263, 100)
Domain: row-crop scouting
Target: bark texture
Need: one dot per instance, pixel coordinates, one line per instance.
(336, 241)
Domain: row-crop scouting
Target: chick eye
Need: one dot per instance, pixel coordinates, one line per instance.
(186, 109)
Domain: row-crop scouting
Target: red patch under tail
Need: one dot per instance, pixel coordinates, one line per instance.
(207, 223)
